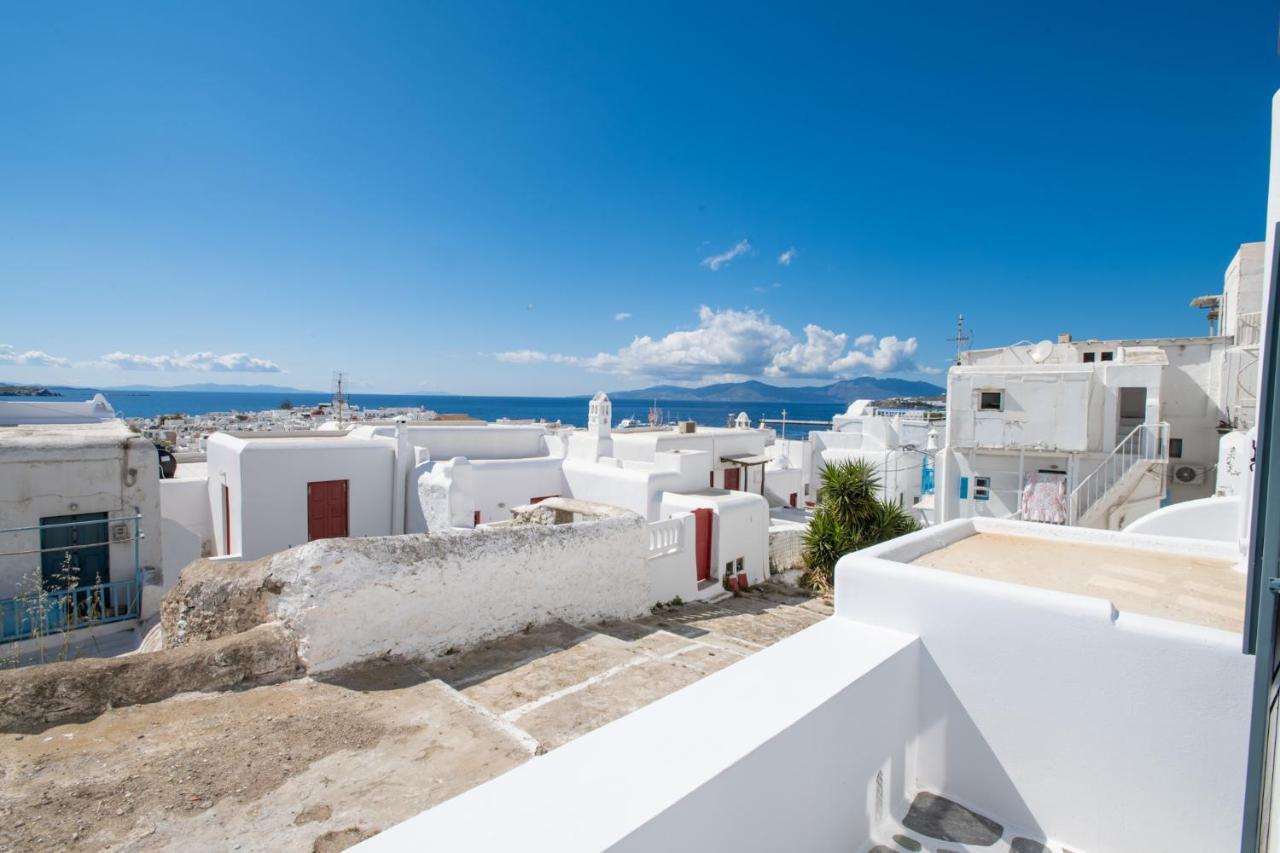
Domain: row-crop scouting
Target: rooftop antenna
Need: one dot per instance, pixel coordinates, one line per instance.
(961, 337)
(340, 395)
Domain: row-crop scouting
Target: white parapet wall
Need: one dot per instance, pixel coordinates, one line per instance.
(418, 596)
(1216, 518)
(819, 726)
(673, 563)
(1099, 730)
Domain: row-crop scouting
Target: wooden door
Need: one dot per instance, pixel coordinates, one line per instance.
(326, 509)
(702, 542)
(84, 551)
(731, 478)
(226, 520)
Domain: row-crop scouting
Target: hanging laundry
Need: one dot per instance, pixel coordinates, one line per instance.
(1044, 498)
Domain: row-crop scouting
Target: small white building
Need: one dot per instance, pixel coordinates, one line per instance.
(79, 507)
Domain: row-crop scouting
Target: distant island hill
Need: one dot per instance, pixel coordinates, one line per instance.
(7, 390)
(844, 391)
(841, 392)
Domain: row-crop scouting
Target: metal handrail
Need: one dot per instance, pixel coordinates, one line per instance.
(60, 609)
(1145, 443)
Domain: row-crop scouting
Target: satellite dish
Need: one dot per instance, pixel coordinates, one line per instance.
(1041, 351)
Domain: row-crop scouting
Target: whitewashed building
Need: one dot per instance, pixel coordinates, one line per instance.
(1099, 433)
(706, 492)
(80, 519)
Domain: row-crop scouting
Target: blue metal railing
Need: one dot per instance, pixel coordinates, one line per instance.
(52, 609)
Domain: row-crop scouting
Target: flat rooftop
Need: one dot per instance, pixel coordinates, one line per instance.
(44, 436)
(320, 764)
(1170, 585)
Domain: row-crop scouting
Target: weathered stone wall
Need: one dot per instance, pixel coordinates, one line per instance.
(786, 548)
(35, 697)
(417, 596)
(215, 598)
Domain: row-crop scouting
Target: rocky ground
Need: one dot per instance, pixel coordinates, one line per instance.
(319, 765)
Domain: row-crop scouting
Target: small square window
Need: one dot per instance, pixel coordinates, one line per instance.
(982, 488)
(1089, 357)
(1107, 356)
(991, 401)
(1175, 448)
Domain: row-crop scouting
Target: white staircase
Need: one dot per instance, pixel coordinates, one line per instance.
(1143, 450)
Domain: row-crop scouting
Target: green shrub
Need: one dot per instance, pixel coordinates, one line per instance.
(850, 515)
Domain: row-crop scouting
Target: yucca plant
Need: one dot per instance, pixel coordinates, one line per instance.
(850, 515)
(886, 520)
(849, 489)
(825, 542)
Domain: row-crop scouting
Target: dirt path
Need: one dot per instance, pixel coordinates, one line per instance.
(311, 765)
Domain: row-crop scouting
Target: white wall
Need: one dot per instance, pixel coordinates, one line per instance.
(351, 600)
(780, 484)
(481, 441)
(187, 524)
(1043, 709)
(501, 484)
(1214, 518)
(1045, 406)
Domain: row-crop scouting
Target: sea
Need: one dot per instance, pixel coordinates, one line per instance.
(567, 410)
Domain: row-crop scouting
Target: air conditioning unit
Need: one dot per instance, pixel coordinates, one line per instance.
(120, 532)
(1187, 474)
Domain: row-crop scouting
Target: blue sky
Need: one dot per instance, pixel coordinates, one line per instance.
(529, 198)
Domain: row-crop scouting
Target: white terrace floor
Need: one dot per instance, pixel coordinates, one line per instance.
(1185, 588)
(319, 765)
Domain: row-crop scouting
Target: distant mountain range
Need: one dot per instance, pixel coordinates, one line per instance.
(844, 391)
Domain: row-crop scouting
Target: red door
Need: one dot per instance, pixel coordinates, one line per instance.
(702, 542)
(793, 498)
(731, 478)
(326, 509)
(226, 519)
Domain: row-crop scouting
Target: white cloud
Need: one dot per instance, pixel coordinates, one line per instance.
(742, 344)
(622, 315)
(232, 362)
(30, 358)
(889, 355)
(813, 357)
(716, 261)
(787, 257)
(763, 289)
(530, 356)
